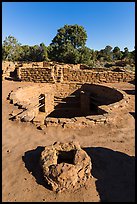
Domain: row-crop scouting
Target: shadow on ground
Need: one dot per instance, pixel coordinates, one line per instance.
(31, 159)
(133, 114)
(130, 92)
(12, 79)
(132, 82)
(115, 174)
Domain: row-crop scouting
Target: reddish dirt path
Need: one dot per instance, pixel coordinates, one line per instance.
(111, 147)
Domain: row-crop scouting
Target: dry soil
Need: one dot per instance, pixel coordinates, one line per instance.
(111, 148)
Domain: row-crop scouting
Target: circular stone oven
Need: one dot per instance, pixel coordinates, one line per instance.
(65, 166)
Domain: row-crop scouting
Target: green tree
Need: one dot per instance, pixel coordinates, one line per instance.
(105, 54)
(117, 55)
(36, 53)
(70, 55)
(125, 53)
(44, 52)
(85, 55)
(65, 45)
(74, 34)
(11, 49)
(108, 53)
(133, 55)
(65, 53)
(116, 49)
(100, 55)
(25, 53)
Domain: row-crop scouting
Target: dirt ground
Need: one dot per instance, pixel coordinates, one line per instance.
(110, 146)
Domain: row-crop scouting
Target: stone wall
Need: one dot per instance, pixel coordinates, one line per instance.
(83, 76)
(63, 90)
(64, 73)
(107, 99)
(58, 74)
(7, 67)
(109, 115)
(29, 100)
(36, 74)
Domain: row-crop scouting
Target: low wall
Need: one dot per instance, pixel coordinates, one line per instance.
(107, 98)
(49, 72)
(7, 67)
(29, 100)
(63, 90)
(84, 76)
(36, 74)
(73, 75)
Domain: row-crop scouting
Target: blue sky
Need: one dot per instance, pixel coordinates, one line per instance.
(106, 23)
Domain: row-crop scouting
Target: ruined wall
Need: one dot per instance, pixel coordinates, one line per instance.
(32, 64)
(65, 89)
(36, 74)
(28, 98)
(7, 67)
(84, 76)
(59, 72)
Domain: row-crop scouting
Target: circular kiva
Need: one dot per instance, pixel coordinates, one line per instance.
(67, 105)
(65, 166)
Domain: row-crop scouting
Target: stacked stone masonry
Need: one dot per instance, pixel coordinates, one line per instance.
(28, 99)
(59, 74)
(109, 99)
(96, 77)
(7, 67)
(52, 72)
(37, 74)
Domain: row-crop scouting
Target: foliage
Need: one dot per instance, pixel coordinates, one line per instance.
(70, 34)
(11, 49)
(68, 46)
(44, 52)
(25, 53)
(107, 53)
(117, 55)
(85, 55)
